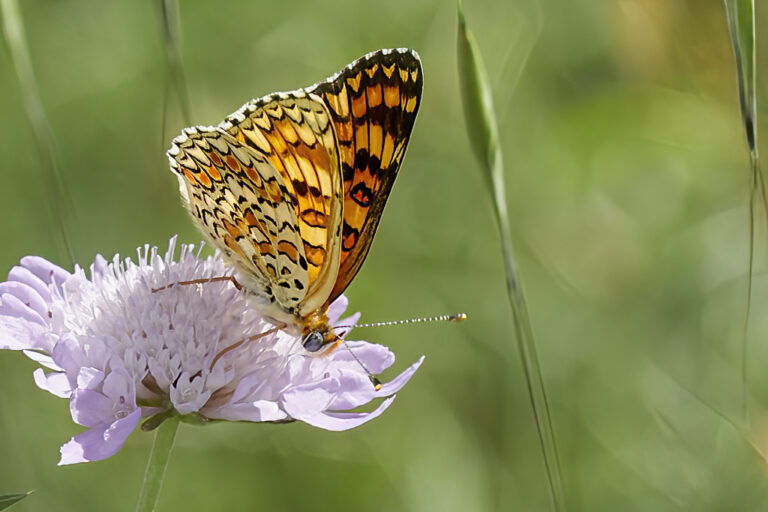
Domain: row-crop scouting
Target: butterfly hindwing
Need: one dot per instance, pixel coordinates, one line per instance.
(261, 186)
(373, 104)
(293, 132)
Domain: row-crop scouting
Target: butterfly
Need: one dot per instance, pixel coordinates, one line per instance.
(291, 187)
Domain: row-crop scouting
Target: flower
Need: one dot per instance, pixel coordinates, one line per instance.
(120, 349)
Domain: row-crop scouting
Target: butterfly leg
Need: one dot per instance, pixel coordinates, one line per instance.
(246, 340)
(201, 281)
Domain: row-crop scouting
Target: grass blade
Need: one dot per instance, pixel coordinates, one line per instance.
(483, 134)
(16, 40)
(7, 500)
(740, 15)
(742, 432)
(171, 38)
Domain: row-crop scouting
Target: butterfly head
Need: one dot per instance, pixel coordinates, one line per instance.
(317, 339)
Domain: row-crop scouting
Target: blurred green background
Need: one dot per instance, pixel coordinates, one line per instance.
(627, 177)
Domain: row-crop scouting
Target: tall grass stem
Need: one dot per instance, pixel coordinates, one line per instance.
(740, 15)
(61, 204)
(483, 134)
(172, 40)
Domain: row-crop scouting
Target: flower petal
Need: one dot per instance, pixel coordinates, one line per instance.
(337, 308)
(308, 400)
(376, 358)
(24, 275)
(91, 408)
(339, 421)
(99, 442)
(393, 386)
(259, 410)
(19, 334)
(43, 359)
(46, 271)
(55, 383)
(13, 305)
(356, 389)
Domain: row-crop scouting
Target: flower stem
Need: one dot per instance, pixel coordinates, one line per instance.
(158, 461)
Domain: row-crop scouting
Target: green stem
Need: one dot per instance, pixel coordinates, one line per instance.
(158, 461)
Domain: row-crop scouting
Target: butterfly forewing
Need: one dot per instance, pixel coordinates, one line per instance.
(373, 104)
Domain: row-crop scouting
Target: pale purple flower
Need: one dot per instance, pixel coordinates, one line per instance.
(119, 351)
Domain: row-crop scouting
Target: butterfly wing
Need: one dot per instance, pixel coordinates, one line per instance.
(373, 104)
(264, 186)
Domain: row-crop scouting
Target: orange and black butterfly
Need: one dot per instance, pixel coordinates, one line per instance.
(291, 187)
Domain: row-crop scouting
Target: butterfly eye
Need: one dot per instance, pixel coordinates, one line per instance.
(313, 341)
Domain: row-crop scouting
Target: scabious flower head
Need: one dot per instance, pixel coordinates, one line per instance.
(120, 350)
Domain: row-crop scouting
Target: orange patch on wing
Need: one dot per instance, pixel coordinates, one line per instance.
(277, 163)
(349, 241)
(389, 148)
(288, 249)
(361, 136)
(391, 95)
(313, 218)
(374, 95)
(317, 155)
(277, 141)
(190, 177)
(315, 255)
(288, 133)
(232, 163)
(358, 106)
(231, 229)
(266, 248)
(204, 180)
(344, 131)
(375, 136)
(410, 105)
(230, 242)
(251, 172)
(214, 173)
(273, 189)
(250, 218)
(215, 159)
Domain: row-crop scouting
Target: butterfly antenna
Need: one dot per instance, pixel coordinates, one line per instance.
(458, 317)
(376, 382)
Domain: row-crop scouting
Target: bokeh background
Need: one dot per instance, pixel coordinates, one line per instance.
(627, 179)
